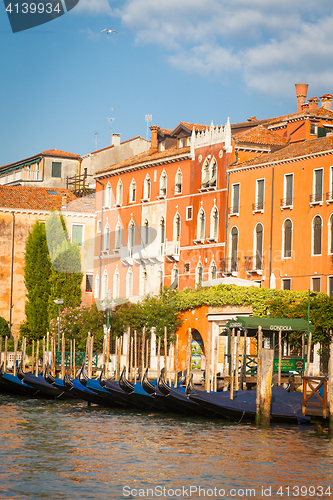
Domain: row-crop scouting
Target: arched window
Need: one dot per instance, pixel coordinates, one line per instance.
(147, 187)
(175, 277)
(330, 236)
(129, 283)
(96, 290)
(119, 192)
(144, 281)
(146, 233)
(287, 238)
(214, 223)
(162, 230)
(163, 184)
(176, 227)
(259, 232)
(116, 284)
(199, 273)
(234, 249)
(118, 236)
(160, 278)
(131, 230)
(201, 225)
(108, 195)
(317, 235)
(213, 173)
(105, 284)
(205, 174)
(107, 238)
(213, 271)
(133, 191)
(178, 182)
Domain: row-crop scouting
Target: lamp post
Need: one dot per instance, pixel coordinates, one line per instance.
(59, 302)
(109, 306)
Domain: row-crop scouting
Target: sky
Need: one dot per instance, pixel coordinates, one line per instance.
(178, 60)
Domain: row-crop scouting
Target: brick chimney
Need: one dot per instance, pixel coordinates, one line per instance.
(305, 106)
(153, 139)
(313, 103)
(63, 199)
(301, 91)
(326, 101)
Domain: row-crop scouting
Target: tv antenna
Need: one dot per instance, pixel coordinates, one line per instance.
(148, 118)
(111, 120)
(96, 140)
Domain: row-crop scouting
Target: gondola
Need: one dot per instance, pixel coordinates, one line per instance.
(96, 386)
(79, 391)
(45, 389)
(178, 398)
(285, 406)
(12, 384)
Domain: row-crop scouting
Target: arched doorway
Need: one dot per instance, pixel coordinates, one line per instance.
(198, 358)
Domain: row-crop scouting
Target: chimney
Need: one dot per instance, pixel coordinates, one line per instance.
(326, 101)
(115, 140)
(313, 102)
(153, 139)
(63, 199)
(305, 106)
(301, 91)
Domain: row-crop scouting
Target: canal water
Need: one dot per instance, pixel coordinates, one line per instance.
(66, 450)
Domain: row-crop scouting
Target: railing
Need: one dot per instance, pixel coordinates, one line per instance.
(172, 248)
(162, 192)
(79, 358)
(32, 174)
(329, 196)
(78, 184)
(233, 210)
(315, 400)
(230, 265)
(286, 202)
(316, 198)
(257, 206)
(253, 262)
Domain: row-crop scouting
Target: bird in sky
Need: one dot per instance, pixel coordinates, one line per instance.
(109, 31)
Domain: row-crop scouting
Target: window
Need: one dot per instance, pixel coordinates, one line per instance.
(187, 267)
(77, 234)
(108, 195)
(181, 142)
(260, 188)
(163, 184)
(315, 284)
(144, 281)
(317, 235)
(287, 238)
(286, 284)
(96, 294)
(119, 193)
(317, 185)
(175, 277)
(105, 285)
(89, 282)
(160, 278)
(176, 227)
(107, 238)
(147, 188)
(330, 235)
(258, 246)
(162, 230)
(234, 249)
(133, 191)
(213, 271)
(146, 233)
(214, 224)
(131, 230)
(56, 169)
(330, 286)
(162, 146)
(288, 190)
(99, 226)
(205, 175)
(235, 199)
(116, 284)
(179, 182)
(117, 244)
(329, 195)
(129, 283)
(201, 225)
(189, 213)
(313, 128)
(213, 174)
(199, 273)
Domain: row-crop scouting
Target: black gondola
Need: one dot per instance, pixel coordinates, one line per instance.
(12, 384)
(96, 386)
(45, 389)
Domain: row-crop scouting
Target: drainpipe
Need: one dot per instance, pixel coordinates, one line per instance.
(101, 241)
(271, 230)
(12, 278)
(226, 214)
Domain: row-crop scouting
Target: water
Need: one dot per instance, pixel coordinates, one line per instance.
(66, 450)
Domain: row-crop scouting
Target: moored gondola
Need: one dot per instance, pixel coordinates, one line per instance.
(95, 385)
(12, 384)
(45, 389)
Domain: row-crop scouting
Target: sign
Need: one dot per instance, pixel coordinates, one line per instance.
(289, 364)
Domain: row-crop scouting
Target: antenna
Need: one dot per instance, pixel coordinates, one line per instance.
(96, 140)
(148, 118)
(111, 120)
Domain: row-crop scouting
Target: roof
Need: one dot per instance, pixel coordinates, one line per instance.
(295, 150)
(146, 156)
(84, 204)
(33, 198)
(260, 135)
(270, 324)
(62, 154)
(57, 153)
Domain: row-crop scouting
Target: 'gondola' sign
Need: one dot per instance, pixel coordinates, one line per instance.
(290, 364)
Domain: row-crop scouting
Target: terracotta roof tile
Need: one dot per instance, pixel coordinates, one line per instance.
(292, 151)
(195, 125)
(58, 152)
(260, 135)
(33, 198)
(84, 204)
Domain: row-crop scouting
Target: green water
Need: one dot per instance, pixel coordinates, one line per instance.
(66, 450)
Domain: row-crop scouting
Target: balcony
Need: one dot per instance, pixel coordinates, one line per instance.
(329, 197)
(234, 210)
(254, 264)
(172, 251)
(126, 255)
(316, 199)
(286, 203)
(258, 207)
(162, 194)
(230, 266)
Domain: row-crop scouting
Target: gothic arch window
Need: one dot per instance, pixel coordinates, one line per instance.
(176, 227)
(131, 233)
(205, 174)
(163, 184)
(129, 283)
(287, 238)
(108, 195)
(175, 277)
(201, 224)
(330, 234)
(119, 192)
(214, 223)
(213, 270)
(133, 191)
(317, 235)
(160, 278)
(107, 238)
(144, 278)
(213, 173)
(117, 239)
(199, 273)
(147, 188)
(234, 249)
(116, 284)
(146, 232)
(105, 284)
(179, 182)
(162, 230)
(258, 246)
(96, 290)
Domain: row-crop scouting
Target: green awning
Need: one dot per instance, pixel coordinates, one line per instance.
(270, 324)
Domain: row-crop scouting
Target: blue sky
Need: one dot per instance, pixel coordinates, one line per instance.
(178, 60)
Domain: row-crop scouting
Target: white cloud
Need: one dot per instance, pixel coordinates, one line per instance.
(93, 7)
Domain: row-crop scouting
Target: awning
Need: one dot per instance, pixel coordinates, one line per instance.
(270, 324)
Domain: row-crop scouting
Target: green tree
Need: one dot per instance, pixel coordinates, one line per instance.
(4, 328)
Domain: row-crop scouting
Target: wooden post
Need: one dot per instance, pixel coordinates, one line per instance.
(308, 354)
(166, 354)
(207, 370)
(259, 347)
(264, 389)
(188, 355)
(128, 370)
(171, 349)
(62, 373)
(0, 351)
(216, 352)
(71, 357)
(33, 357)
(6, 354)
(232, 343)
(91, 353)
(143, 343)
(280, 357)
(43, 367)
(132, 360)
(37, 358)
(24, 349)
(135, 355)
(15, 353)
(147, 353)
(54, 356)
(237, 361)
(176, 360)
(330, 387)
(158, 356)
(47, 347)
(52, 362)
(242, 366)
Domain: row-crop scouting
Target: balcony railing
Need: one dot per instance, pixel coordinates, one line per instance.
(329, 196)
(256, 207)
(254, 263)
(230, 265)
(316, 198)
(286, 202)
(172, 250)
(233, 210)
(32, 174)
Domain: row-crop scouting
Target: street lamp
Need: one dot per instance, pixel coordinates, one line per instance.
(108, 305)
(59, 302)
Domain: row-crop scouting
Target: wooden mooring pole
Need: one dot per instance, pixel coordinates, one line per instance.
(264, 387)
(6, 354)
(308, 354)
(15, 353)
(176, 360)
(232, 343)
(166, 354)
(280, 357)
(237, 361)
(188, 356)
(37, 358)
(330, 387)
(207, 370)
